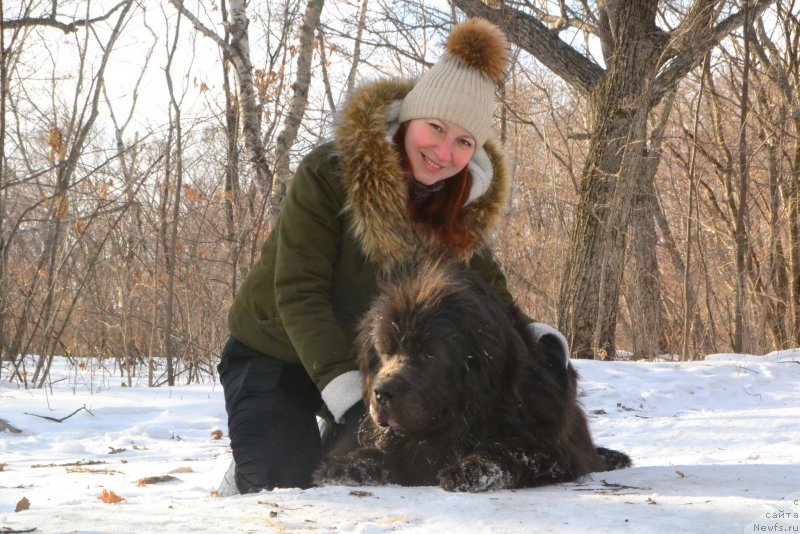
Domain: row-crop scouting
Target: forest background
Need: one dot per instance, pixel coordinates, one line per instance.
(146, 147)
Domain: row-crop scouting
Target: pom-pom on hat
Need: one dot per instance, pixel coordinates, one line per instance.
(459, 88)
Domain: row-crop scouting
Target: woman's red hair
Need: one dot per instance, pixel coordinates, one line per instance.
(441, 215)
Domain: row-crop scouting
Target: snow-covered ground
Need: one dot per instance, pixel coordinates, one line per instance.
(716, 447)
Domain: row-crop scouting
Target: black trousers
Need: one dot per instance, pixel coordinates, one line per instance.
(272, 421)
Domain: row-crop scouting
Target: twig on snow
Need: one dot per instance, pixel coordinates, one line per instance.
(62, 419)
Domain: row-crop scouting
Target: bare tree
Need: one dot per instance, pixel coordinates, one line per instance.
(238, 52)
(171, 225)
(644, 62)
(742, 215)
(298, 105)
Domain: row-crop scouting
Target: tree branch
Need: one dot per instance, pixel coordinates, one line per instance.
(202, 28)
(52, 22)
(691, 51)
(531, 35)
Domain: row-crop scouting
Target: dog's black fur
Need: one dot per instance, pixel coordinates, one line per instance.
(461, 396)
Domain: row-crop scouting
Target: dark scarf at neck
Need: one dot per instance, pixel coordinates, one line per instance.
(420, 192)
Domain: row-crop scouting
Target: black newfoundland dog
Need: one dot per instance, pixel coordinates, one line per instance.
(462, 395)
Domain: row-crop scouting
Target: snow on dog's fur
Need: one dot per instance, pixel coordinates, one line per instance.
(461, 395)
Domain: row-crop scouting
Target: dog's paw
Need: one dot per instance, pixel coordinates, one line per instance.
(614, 459)
(363, 467)
(475, 473)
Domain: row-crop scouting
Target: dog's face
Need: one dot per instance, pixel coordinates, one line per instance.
(413, 378)
(416, 349)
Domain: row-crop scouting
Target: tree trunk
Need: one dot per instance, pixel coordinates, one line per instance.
(3, 256)
(793, 201)
(172, 242)
(298, 105)
(133, 229)
(645, 294)
(777, 306)
(362, 20)
(618, 117)
(645, 300)
(232, 189)
(740, 235)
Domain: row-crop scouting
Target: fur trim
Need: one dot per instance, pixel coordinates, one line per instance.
(376, 189)
(481, 45)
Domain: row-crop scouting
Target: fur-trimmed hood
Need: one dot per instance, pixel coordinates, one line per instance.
(377, 192)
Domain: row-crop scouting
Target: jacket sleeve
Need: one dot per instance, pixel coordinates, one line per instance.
(484, 265)
(309, 236)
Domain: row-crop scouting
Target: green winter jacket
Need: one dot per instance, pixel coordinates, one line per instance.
(344, 224)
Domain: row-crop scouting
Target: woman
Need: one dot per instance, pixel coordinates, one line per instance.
(411, 172)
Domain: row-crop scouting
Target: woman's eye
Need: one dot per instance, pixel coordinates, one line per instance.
(466, 143)
(436, 127)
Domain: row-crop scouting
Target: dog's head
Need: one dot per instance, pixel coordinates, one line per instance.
(432, 347)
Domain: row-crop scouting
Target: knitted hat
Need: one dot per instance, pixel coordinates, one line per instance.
(459, 88)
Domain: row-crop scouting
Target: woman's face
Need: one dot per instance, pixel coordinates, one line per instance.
(437, 149)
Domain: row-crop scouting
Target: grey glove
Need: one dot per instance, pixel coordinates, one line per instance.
(552, 338)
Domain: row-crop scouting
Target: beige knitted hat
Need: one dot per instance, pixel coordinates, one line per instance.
(460, 87)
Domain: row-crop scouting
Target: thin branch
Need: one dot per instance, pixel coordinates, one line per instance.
(52, 22)
(61, 419)
(534, 37)
(686, 59)
(202, 28)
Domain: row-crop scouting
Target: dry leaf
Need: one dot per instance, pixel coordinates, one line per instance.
(650, 501)
(155, 480)
(217, 434)
(393, 520)
(62, 208)
(71, 464)
(358, 493)
(109, 497)
(3, 467)
(213, 493)
(23, 505)
(55, 140)
(177, 470)
(112, 450)
(680, 474)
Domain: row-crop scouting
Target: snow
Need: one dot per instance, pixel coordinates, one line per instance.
(715, 443)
